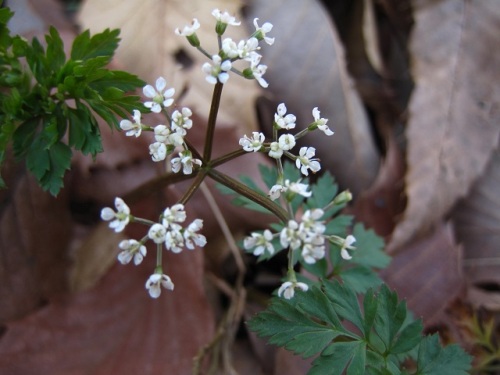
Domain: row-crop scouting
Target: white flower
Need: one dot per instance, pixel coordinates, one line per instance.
(304, 161)
(217, 70)
(160, 96)
(156, 281)
(158, 151)
(189, 30)
(288, 289)
(260, 32)
(132, 128)
(181, 120)
(284, 122)
(258, 70)
(173, 239)
(174, 214)
(261, 242)
(321, 122)
(290, 235)
(294, 187)
(349, 240)
(298, 188)
(157, 233)
(312, 253)
(253, 144)
(131, 249)
(191, 235)
(247, 48)
(161, 133)
(121, 216)
(275, 151)
(286, 141)
(230, 48)
(184, 160)
(225, 18)
(311, 223)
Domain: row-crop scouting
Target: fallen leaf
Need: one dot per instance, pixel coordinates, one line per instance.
(307, 69)
(116, 328)
(428, 274)
(477, 223)
(454, 109)
(150, 48)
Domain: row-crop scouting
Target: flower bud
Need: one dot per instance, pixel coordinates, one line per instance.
(342, 198)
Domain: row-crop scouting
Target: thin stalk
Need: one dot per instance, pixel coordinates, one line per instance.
(244, 190)
(193, 187)
(229, 156)
(212, 119)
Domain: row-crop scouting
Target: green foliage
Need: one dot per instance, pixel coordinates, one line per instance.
(374, 334)
(48, 104)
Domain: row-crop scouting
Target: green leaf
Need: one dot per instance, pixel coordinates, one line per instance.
(55, 50)
(268, 174)
(323, 191)
(339, 356)
(84, 133)
(369, 249)
(435, 360)
(299, 325)
(360, 278)
(24, 136)
(102, 44)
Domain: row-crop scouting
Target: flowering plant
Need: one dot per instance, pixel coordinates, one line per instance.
(341, 312)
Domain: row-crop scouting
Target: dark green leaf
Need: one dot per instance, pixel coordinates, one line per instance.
(55, 50)
(435, 360)
(360, 278)
(102, 44)
(369, 248)
(323, 191)
(339, 356)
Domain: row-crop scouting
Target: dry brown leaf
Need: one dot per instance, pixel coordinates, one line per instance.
(307, 69)
(116, 328)
(150, 48)
(454, 111)
(477, 222)
(35, 230)
(428, 274)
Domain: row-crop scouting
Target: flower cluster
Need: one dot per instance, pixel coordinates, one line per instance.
(306, 235)
(282, 145)
(217, 70)
(167, 137)
(169, 232)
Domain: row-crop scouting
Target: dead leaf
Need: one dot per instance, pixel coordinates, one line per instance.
(307, 69)
(477, 222)
(428, 274)
(35, 229)
(116, 328)
(454, 112)
(150, 48)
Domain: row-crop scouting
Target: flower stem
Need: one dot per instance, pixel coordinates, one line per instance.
(212, 119)
(244, 190)
(229, 156)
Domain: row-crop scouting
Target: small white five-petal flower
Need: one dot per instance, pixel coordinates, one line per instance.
(131, 249)
(305, 160)
(217, 70)
(188, 30)
(282, 120)
(252, 144)
(161, 95)
(134, 128)
(321, 122)
(261, 31)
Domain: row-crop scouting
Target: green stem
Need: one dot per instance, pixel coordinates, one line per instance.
(212, 118)
(244, 190)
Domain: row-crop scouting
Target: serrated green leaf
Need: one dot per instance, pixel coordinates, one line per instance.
(435, 360)
(298, 325)
(5, 15)
(370, 307)
(323, 191)
(60, 161)
(268, 174)
(115, 78)
(339, 356)
(102, 44)
(369, 248)
(318, 269)
(345, 302)
(360, 278)
(24, 136)
(84, 133)
(55, 50)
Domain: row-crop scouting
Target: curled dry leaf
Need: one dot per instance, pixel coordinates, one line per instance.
(307, 69)
(150, 48)
(455, 109)
(477, 222)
